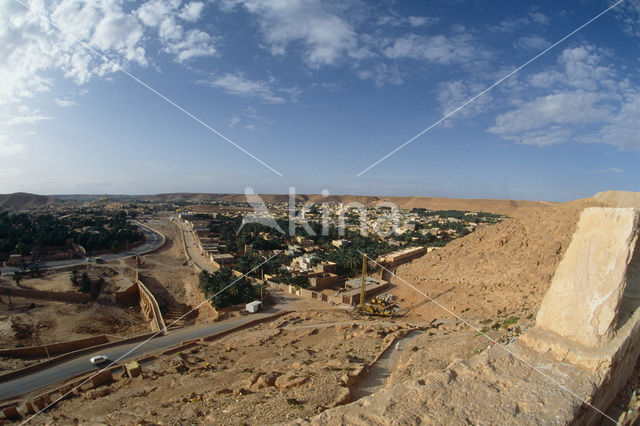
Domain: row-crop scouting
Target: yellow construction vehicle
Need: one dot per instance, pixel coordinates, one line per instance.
(379, 308)
(377, 311)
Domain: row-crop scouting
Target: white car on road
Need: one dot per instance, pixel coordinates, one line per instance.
(98, 359)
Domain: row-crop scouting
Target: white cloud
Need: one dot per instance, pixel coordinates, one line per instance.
(193, 44)
(121, 33)
(623, 129)
(419, 21)
(539, 18)
(511, 23)
(65, 102)
(8, 148)
(628, 15)
(452, 94)
(325, 36)
(588, 103)
(563, 108)
(239, 85)
(191, 12)
(381, 74)
(22, 114)
(185, 45)
(585, 69)
(607, 170)
(440, 49)
(396, 20)
(547, 79)
(153, 12)
(30, 47)
(532, 42)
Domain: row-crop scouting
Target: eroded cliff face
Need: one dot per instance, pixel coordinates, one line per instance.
(584, 297)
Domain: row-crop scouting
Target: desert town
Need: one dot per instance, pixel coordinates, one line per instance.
(205, 317)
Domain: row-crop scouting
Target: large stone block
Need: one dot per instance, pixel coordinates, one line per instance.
(11, 413)
(132, 369)
(101, 378)
(584, 298)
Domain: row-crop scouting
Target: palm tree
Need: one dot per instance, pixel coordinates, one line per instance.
(352, 263)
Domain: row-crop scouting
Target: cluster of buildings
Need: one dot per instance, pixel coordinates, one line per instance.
(323, 277)
(211, 245)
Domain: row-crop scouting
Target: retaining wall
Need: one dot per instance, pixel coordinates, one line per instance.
(69, 297)
(184, 243)
(150, 308)
(54, 348)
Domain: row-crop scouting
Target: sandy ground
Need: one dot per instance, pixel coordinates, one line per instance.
(57, 321)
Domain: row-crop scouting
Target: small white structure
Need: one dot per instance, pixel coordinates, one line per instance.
(254, 307)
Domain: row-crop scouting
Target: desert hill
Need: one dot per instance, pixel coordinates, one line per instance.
(23, 200)
(488, 205)
(506, 207)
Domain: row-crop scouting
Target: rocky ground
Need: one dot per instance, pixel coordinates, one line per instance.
(299, 366)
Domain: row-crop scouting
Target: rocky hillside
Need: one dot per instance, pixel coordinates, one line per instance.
(619, 198)
(498, 270)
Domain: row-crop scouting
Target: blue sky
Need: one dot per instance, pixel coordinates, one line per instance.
(320, 90)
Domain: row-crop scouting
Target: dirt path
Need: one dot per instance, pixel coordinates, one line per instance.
(382, 369)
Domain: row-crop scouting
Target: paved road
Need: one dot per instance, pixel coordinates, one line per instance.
(193, 250)
(81, 364)
(153, 240)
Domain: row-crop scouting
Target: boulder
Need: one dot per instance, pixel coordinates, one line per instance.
(287, 382)
(132, 369)
(101, 378)
(11, 413)
(584, 298)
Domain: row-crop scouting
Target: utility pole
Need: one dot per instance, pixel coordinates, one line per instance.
(364, 275)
